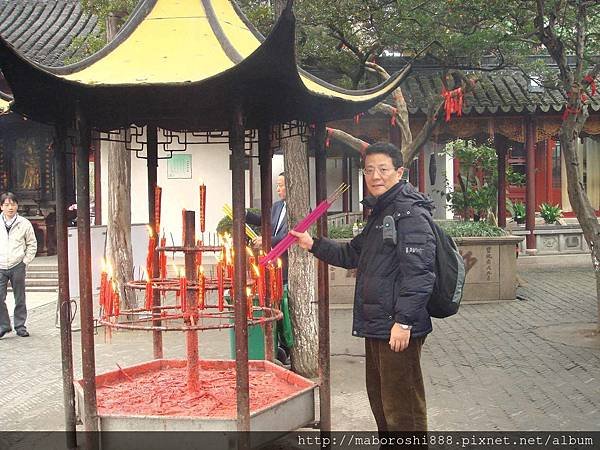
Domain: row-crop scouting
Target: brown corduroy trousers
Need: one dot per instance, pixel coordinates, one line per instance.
(395, 386)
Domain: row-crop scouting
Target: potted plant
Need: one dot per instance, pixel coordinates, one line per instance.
(550, 213)
(517, 211)
(476, 195)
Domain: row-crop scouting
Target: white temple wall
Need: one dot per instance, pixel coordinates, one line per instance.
(209, 164)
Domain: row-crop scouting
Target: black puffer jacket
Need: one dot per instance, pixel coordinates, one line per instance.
(393, 283)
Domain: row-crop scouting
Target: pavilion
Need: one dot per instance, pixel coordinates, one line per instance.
(181, 65)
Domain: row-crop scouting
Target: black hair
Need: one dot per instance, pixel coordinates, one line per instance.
(386, 148)
(282, 174)
(8, 196)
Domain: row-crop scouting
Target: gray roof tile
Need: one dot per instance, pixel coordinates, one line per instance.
(43, 30)
(506, 92)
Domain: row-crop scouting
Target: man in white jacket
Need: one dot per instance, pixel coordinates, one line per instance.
(17, 249)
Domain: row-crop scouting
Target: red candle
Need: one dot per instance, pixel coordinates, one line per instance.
(116, 301)
(279, 280)
(102, 296)
(259, 277)
(272, 292)
(249, 302)
(157, 207)
(149, 293)
(163, 258)
(202, 213)
(150, 254)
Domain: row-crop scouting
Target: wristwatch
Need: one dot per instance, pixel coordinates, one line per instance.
(405, 327)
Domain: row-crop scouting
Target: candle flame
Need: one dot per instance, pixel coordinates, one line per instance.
(103, 264)
(201, 269)
(279, 263)
(248, 292)
(150, 231)
(256, 270)
(109, 269)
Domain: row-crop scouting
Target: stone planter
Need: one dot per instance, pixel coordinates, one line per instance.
(491, 265)
(555, 239)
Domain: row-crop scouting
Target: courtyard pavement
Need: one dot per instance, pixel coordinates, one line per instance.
(529, 364)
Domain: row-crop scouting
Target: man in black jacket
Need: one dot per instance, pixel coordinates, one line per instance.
(394, 281)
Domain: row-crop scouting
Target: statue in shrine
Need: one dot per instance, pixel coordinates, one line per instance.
(30, 179)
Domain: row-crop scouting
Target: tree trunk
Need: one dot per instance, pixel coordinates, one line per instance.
(301, 274)
(118, 231)
(580, 202)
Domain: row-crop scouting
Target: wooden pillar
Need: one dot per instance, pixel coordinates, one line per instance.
(265, 160)
(191, 336)
(421, 165)
(90, 411)
(97, 182)
(152, 171)
(236, 143)
(549, 149)
(501, 149)
(530, 138)
(64, 296)
(323, 285)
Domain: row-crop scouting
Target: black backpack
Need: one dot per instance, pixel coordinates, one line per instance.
(449, 275)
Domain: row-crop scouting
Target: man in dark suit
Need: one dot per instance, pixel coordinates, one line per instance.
(279, 222)
(279, 227)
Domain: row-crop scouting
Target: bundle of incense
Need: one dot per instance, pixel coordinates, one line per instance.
(157, 208)
(202, 213)
(303, 225)
(229, 213)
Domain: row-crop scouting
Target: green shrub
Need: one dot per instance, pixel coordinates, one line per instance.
(471, 229)
(340, 232)
(225, 224)
(550, 213)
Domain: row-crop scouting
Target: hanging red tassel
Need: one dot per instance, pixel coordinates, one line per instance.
(453, 102)
(327, 139)
(568, 110)
(592, 83)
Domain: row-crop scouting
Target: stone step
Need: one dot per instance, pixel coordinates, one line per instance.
(51, 289)
(33, 267)
(52, 282)
(42, 274)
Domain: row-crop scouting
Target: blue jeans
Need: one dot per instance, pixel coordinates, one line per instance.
(16, 276)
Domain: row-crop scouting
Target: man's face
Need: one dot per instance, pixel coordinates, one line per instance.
(380, 174)
(9, 208)
(280, 187)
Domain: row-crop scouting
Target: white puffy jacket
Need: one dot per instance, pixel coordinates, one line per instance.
(17, 245)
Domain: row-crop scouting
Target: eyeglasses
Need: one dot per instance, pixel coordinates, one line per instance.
(383, 171)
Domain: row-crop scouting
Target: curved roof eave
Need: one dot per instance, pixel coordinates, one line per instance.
(241, 61)
(5, 102)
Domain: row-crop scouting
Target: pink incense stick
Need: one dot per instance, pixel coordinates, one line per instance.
(302, 226)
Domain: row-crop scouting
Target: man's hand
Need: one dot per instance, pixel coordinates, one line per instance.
(399, 338)
(304, 239)
(257, 242)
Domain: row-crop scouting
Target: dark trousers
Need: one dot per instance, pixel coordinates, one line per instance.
(16, 276)
(395, 386)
